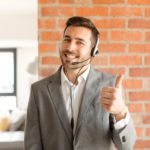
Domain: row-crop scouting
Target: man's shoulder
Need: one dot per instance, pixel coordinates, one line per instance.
(49, 78)
(104, 78)
(104, 75)
(42, 81)
(45, 81)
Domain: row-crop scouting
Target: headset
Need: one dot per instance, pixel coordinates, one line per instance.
(94, 50)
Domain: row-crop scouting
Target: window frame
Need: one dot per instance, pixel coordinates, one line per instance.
(13, 51)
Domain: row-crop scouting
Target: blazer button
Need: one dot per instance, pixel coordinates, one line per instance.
(123, 139)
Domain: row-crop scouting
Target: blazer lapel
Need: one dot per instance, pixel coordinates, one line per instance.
(91, 88)
(58, 101)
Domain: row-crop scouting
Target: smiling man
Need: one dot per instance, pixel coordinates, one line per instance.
(78, 108)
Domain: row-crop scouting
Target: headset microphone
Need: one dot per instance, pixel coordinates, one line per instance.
(78, 62)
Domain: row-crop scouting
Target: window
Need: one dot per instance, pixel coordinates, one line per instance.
(8, 72)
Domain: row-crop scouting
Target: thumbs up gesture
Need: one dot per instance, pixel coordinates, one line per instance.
(112, 99)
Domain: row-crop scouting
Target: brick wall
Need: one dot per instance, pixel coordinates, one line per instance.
(124, 47)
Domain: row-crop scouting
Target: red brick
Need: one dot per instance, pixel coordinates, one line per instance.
(47, 1)
(112, 47)
(40, 23)
(115, 71)
(147, 36)
(144, 2)
(49, 11)
(142, 144)
(109, 23)
(147, 108)
(135, 107)
(139, 131)
(47, 24)
(50, 36)
(147, 60)
(139, 96)
(92, 11)
(137, 119)
(117, 11)
(139, 48)
(51, 60)
(146, 83)
(133, 84)
(54, 11)
(103, 35)
(147, 12)
(146, 119)
(140, 72)
(46, 71)
(100, 60)
(148, 132)
(126, 35)
(62, 23)
(65, 1)
(125, 60)
(139, 23)
(108, 1)
(47, 47)
(82, 2)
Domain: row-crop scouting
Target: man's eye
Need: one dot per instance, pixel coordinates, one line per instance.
(80, 43)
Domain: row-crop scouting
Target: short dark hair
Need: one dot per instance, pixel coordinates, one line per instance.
(83, 22)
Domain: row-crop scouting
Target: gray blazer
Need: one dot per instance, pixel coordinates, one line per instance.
(48, 127)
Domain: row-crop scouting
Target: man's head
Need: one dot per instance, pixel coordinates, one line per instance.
(78, 21)
(79, 38)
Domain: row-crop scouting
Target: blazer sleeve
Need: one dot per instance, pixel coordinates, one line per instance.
(32, 140)
(124, 138)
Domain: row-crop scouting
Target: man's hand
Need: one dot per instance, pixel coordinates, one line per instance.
(112, 99)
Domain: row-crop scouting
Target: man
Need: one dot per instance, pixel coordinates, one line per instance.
(78, 108)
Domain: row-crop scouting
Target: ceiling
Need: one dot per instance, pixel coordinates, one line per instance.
(15, 6)
(18, 19)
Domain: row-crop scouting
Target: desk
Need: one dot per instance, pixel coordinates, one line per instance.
(11, 140)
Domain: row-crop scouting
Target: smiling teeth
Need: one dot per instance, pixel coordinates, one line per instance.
(70, 56)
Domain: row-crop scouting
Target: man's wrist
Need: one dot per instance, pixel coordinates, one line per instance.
(121, 115)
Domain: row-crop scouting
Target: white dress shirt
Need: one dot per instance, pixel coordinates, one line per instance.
(69, 88)
(77, 91)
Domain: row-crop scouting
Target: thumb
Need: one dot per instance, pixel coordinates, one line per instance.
(119, 81)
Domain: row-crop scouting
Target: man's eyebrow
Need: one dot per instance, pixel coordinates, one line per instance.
(67, 36)
(82, 40)
(77, 38)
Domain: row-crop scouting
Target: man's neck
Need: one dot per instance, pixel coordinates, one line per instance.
(73, 74)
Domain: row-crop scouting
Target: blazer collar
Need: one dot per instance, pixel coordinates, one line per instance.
(55, 90)
(90, 89)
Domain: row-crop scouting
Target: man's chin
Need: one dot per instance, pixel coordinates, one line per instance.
(70, 66)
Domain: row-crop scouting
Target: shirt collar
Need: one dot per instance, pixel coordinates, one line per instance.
(82, 76)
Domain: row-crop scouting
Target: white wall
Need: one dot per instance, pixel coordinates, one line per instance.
(27, 73)
(18, 29)
(18, 22)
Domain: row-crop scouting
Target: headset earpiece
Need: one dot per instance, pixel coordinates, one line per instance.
(94, 51)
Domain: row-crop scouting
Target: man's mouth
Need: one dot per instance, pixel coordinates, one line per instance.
(70, 57)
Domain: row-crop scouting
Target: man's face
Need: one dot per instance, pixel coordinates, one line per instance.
(76, 45)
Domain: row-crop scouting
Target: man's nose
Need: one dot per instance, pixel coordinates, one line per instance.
(71, 46)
